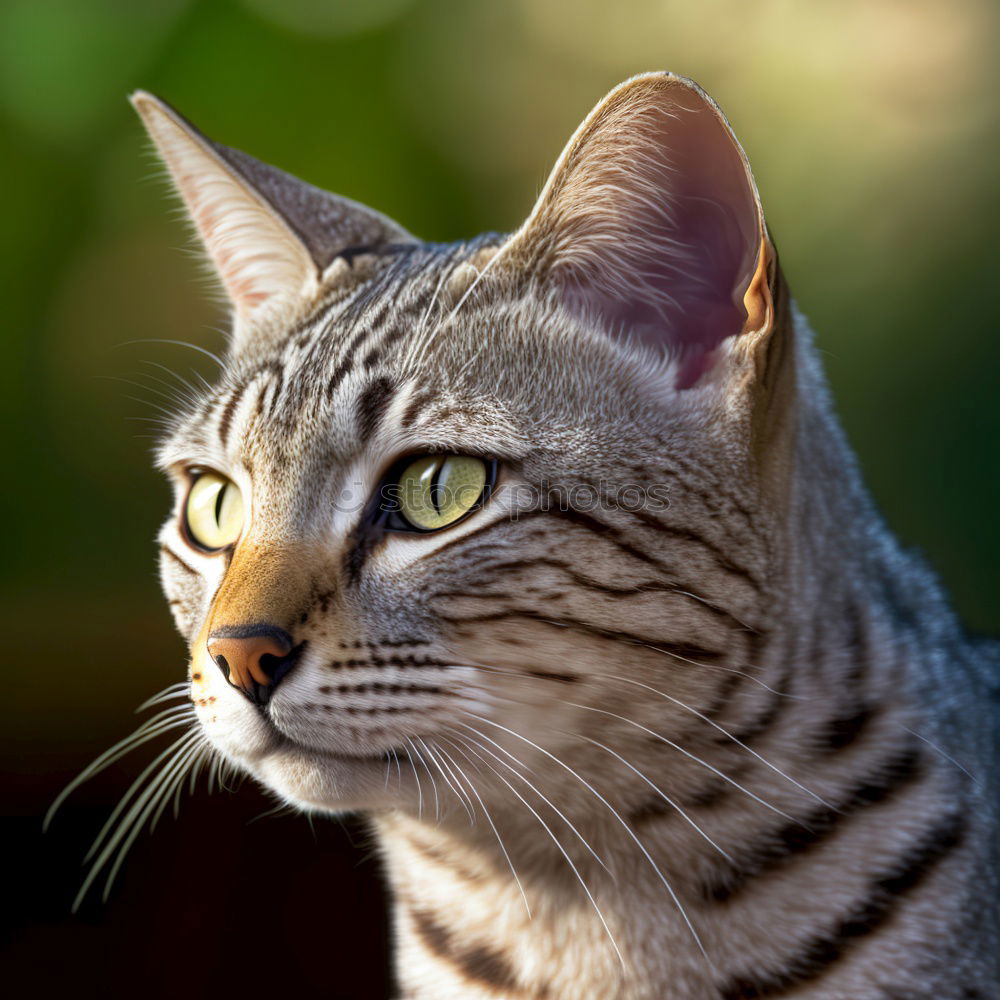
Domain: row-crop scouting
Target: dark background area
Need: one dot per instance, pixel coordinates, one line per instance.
(873, 130)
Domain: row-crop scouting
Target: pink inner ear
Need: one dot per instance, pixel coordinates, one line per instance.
(683, 213)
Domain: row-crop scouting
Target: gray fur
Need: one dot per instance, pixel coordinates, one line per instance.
(760, 651)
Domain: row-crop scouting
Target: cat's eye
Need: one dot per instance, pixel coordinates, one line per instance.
(213, 511)
(436, 491)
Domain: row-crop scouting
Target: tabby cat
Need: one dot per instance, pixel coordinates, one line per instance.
(546, 552)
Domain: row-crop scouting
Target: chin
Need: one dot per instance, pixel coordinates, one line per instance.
(315, 781)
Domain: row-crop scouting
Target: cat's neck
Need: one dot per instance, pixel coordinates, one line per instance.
(466, 928)
(838, 548)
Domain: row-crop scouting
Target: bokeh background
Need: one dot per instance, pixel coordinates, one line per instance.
(872, 126)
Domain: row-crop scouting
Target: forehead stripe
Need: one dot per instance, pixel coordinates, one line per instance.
(278, 383)
(372, 405)
(226, 419)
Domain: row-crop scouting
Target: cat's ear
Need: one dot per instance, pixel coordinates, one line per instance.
(650, 224)
(270, 236)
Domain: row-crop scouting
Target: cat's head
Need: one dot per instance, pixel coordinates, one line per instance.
(446, 503)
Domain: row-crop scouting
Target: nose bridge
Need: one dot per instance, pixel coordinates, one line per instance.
(249, 632)
(264, 585)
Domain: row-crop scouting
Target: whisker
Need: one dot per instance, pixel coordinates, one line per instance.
(693, 711)
(163, 423)
(203, 382)
(441, 754)
(158, 794)
(708, 604)
(176, 751)
(420, 791)
(539, 793)
(177, 786)
(694, 663)
(169, 397)
(729, 670)
(938, 750)
(663, 795)
(176, 343)
(689, 755)
(180, 397)
(424, 346)
(133, 789)
(725, 732)
(281, 809)
(563, 852)
(437, 801)
(444, 774)
(227, 772)
(160, 723)
(196, 771)
(614, 812)
(422, 327)
(169, 693)
(190, 392)
(489, 819)
(168, 415)
(213, 773)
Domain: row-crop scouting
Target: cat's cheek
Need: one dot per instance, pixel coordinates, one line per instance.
(186, 597)
(184, 618)
(185, 603)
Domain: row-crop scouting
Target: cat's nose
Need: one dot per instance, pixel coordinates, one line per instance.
(253, 658)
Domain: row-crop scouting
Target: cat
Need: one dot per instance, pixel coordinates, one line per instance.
(546, 552)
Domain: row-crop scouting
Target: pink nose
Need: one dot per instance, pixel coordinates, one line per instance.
(253, 658)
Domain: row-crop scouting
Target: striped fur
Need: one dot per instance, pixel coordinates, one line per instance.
(726, 746)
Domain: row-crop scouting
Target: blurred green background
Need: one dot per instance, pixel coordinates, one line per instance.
(872, 126)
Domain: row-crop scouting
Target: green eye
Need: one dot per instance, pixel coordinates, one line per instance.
(213, 512)
(436, 490)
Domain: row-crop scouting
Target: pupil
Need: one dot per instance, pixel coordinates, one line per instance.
(218, 503)
(437, 488)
